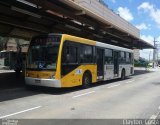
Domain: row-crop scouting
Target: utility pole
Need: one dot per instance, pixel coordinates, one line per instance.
(158, 57)
(154, 52)
(149, 56)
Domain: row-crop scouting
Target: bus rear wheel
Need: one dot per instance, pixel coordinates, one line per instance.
(123, 75)
(86, 81)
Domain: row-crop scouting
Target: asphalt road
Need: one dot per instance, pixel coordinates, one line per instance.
(9, 80)
(137, 97)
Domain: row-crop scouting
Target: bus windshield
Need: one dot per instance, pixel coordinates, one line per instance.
(43, 53)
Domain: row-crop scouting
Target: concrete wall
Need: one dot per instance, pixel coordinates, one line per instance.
(100, 9)
(136, 54)
(11, 45)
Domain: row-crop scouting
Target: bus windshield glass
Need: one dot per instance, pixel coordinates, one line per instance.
(43, 53)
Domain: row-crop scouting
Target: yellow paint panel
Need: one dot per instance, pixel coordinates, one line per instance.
(75, 79)
(58, 69)
(79, 40)
(74, 39)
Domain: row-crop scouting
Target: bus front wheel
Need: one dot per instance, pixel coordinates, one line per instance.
(86, 81)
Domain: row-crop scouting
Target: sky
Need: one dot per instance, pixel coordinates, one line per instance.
(144, 14)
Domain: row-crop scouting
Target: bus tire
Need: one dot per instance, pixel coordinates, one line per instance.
(123, 74)
(86, 81)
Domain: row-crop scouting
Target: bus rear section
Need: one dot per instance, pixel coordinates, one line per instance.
(113, 62)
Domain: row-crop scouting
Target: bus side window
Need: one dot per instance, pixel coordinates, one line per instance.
(128, 58)
(65, 55)
(69, 53)
(69, 57)
(86, 54)
(122, 57)
(132, 58)
(108, 56)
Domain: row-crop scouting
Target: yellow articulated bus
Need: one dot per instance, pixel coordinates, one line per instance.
(60, 60)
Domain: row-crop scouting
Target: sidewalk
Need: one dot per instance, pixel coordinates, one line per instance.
(149, 69)
(143, 70)
(154, 69)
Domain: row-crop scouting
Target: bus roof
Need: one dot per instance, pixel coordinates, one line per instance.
(104, 45)
(100, 44)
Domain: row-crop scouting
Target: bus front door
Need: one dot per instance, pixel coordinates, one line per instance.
(116, 64)
(100, 64)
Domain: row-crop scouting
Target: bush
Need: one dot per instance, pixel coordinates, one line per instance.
(141, 63)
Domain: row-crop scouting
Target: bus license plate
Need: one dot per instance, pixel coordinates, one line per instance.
(37, 81)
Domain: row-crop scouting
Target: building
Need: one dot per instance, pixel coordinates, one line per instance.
(136, 54)
(14, 44)
(11, 45)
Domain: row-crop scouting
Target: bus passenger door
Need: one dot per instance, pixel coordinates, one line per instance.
(100, 64)
(116, 63)
(108, 65)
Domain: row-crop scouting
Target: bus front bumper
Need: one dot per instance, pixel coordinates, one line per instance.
(43, 82)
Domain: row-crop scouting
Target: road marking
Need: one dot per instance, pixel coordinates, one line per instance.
(83, 94)
(153, 117)
(130, 81)
(5, 116)
(113, 86)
